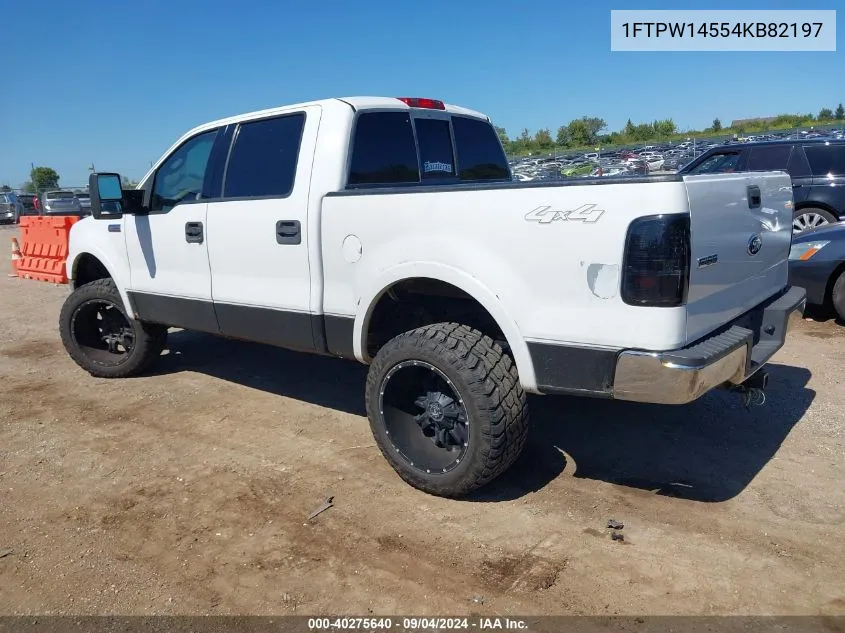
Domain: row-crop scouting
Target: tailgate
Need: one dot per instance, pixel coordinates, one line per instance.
(741, 232)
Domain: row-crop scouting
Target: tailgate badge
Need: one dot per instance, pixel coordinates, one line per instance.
(755, 243)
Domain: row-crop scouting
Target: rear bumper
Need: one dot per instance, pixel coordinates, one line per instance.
(730, 356)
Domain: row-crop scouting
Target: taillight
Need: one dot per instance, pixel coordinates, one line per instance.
(657, 261)
(416, 102)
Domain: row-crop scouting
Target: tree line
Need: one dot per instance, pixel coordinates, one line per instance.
(589, 132)
(43, 179)
(586, 132)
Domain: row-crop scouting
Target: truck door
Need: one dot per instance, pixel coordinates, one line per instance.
(167, 247)
(257, 231)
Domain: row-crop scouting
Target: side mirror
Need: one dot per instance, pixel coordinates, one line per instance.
(106, 195)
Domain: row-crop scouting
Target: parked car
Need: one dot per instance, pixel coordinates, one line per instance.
(11, 208)
(817, 168)
(817, 264)
(637, 166)
(61, 203)
(674, 163)
(454, 336)
(84, 201)
(29, 201)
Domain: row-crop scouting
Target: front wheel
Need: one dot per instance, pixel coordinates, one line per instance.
(446, 408)
(101, 338)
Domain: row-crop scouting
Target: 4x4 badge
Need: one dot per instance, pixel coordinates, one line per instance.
(547, 215)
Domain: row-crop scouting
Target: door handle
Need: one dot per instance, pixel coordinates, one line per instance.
(288, 232)
(754, 197)
(193, 232)
(794, 186)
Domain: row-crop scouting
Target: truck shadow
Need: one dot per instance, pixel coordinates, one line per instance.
(709, 450)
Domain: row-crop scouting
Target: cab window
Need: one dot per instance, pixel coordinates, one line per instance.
(180, 177)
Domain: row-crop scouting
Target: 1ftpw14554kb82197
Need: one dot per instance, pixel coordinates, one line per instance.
(389, 231)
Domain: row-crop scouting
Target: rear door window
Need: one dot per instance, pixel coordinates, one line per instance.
(769, 157)
(263, 159)
(826, 160)
(383, 150)
(480, 154)
(798, 166)
(435, 142)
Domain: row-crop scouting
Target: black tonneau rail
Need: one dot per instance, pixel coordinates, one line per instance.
(485, 186)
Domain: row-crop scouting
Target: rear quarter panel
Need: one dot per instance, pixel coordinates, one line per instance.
(555, 280)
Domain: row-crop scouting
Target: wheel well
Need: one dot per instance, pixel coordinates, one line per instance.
(413, 303)
(809, 204)
(87, 269)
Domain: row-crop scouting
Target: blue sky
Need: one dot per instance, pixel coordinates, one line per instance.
(105, 83)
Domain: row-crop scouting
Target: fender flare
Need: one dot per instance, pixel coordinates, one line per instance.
(370, 295)
(110, 269)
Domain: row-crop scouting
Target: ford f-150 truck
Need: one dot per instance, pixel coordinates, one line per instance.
(389, 231)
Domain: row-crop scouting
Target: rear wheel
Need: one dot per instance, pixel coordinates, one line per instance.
(806, 219)
(446, 408)
(102, 338)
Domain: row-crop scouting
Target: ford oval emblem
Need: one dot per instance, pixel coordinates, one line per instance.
(755, 243)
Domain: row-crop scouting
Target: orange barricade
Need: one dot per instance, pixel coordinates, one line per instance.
(45, 246)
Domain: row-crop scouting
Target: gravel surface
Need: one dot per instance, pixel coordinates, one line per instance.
(187, 491)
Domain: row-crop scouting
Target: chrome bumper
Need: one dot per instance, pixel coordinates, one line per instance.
(727, 358)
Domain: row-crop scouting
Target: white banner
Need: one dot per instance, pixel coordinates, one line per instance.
(723, 30)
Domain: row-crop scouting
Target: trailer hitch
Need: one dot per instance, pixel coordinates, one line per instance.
(752, 390)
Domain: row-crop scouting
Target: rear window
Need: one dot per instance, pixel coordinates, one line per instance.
(387, 152)
(769, 158)
(81, 194)
(53, 195)
(435, 141)
(384, 151)
(264, 157)
(826, 159)
(480, 154)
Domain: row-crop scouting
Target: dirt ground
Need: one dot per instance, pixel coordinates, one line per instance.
(187, 492)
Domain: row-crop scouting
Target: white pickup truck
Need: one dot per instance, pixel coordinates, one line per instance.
(389, 231)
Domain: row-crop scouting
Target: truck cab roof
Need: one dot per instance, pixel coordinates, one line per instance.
(339, 106)
(356, 103)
